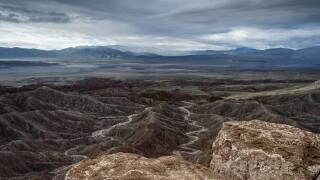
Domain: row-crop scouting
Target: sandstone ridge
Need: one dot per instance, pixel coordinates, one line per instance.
(261, 150)
(250, 150)
(121, 166)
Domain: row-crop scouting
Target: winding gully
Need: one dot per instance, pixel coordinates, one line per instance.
(192, 135)
(183, 148)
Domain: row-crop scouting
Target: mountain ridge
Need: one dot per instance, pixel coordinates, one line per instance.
(113, 51)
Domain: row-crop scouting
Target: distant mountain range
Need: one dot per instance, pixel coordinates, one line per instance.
(74, 52)
(276, 55)
(306, 53)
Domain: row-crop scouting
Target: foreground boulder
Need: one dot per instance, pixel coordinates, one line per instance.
(124, 166)
(259, 150)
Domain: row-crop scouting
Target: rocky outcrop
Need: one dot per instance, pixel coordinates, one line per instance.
(250, 150)
(259, 150)
(123, 166)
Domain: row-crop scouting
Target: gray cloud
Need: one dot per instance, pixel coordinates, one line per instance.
(24, 15)
(172, 24)
(282, 13)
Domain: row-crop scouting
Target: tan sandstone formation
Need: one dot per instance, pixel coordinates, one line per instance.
(251, 150)
(257, 150)
(125, 166)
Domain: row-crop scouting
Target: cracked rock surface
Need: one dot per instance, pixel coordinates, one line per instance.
(124, 166)
(260, 150)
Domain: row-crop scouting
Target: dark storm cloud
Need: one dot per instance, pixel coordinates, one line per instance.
(204, 11)
(168, 23)
(22, 14)
(164, 13)
(271, 14)
(192, 15)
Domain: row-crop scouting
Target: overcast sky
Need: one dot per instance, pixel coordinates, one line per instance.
(160, 24)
